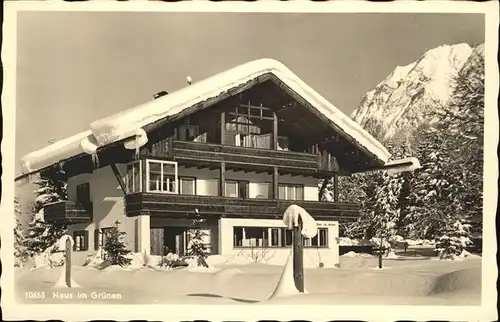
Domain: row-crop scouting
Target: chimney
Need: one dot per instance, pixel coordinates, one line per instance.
(160, 94)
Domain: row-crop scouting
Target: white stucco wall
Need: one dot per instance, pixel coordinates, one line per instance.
(312, 256)
(206, 177)
(108, 207)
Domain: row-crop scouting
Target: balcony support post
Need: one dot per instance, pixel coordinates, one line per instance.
(275, 132)
(335, 188)
(222, 179)
(322, 189)
(223, 128)
(119, 178)
(275, 183)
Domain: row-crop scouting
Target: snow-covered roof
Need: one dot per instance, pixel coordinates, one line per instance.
(127, 123)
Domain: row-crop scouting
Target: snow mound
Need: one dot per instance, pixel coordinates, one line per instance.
(49, 258)
(463, 280)
(354, 254)
(286, 285)
(61, 282)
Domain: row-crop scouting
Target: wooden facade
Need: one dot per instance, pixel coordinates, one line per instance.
(182, 206)
(68, 212)
(261, 126)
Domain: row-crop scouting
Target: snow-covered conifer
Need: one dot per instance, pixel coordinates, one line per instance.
(51, 187)
(115, 251)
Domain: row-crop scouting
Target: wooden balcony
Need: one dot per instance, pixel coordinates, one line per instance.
(198, 153)
(174, 205)
(68, 212)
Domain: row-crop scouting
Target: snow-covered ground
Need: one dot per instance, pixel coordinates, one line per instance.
(403, 281)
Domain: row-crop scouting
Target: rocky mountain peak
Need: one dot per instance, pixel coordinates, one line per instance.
(404, 99)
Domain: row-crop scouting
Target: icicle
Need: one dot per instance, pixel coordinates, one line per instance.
(95, 160)
(136, 142)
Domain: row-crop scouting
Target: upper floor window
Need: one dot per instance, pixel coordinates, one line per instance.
(161, 176)
(187, 186)
(133, 177)
(236, 189)
(187, 132)
(291, 191)
(83, 194)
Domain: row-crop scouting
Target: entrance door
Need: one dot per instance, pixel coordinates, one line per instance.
(174, 239)
(157, 241)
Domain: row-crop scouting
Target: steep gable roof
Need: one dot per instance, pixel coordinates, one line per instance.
(127, 123)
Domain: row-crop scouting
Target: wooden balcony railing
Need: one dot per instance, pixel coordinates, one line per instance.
(68, 212)
(198, 152)
(174, 205)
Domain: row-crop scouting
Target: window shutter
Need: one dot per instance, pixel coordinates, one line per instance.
(96, 239)
(85, 245)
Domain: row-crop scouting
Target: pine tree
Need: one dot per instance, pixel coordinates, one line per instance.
(454, 240)
(114, 248)
(197, 247)
(448, 189)
(41, 235)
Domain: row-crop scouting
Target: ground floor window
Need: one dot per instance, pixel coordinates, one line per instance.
(274, 237)
(81, 240)
(100, 237)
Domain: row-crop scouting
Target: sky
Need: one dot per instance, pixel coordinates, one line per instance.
(77, 67)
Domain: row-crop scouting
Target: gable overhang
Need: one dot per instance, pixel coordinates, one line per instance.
(140, 120)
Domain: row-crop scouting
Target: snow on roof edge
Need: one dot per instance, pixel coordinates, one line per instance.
(55, 152)
(125, 124)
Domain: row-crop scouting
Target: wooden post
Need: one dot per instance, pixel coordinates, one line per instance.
(68, 262)
(275, 131)
(275, 183)
(222, 128)
(322, 189)
(298, 257)
(380, 253)
(222, 179)
(335, 188)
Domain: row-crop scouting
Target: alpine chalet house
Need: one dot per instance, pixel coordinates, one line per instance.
(235, 150)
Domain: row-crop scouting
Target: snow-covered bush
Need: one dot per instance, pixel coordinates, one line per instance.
(114, 248)
(172, 260)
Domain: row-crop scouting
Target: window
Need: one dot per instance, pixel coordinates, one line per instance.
(188, 132)
(187, 186)
(250, 236)
(291, 192)
(81, 240)
(236, 189)
(320, 240)
(133, 177)
(100, 237)
(83, 194)
(162, 176)
(283, 143)
(262, 190)
(274, 237)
